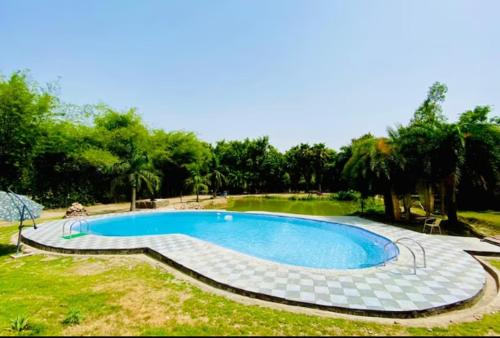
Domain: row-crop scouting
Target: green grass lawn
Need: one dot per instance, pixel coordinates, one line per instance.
(485, 222)
(315, 206)
(126, 296)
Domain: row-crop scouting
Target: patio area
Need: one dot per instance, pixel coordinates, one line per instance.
(451, 277)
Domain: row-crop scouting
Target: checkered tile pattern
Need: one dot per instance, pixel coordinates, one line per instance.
(451, 275)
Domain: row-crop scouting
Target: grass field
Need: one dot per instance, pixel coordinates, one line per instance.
(484, 222)
(75, 295)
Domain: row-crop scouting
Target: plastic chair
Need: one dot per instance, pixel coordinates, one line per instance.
(432, 222)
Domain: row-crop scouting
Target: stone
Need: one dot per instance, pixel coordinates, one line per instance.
(188, 206)
(76, 210)
(151, 204)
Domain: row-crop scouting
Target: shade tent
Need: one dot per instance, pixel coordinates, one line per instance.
(14, 207)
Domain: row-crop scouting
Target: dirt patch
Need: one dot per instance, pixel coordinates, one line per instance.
(139, 304)
(89, 269)
(88, 266)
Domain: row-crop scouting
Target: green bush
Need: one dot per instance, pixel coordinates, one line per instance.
(308, 197)
(349, 195)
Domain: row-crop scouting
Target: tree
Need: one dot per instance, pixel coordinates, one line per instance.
(59, 152)
(198, 183)
(174, 155)
(418, 143)
(320, 157)
(215, 177)
(448, 163)
(23, 108)
(430, 111)
(250, 165)
(334, 168)
(124, 135)
(68, 166)
(479, 186)
(134, 171)
(372, 168)
(300, 165)
(272, 172)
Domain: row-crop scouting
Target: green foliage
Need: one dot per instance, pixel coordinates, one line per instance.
(430, 111)
(20, 323)
(98, 158)
(175, 155)
(307, 197)
(198, 183)
(250, 166)
(133, 172)
(308, 165)
(478, 115)
(349, 195)
(480, 173)
(74, 317)
(23, 108)
(372, 166)
(61, 153)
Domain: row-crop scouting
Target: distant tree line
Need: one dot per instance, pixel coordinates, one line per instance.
(60, 153)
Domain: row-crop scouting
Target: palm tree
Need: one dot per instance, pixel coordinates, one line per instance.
(216, 178)
(238, 180)
(449, 159)
(135, 171)
(373, 168)
(480, 172)
(416, 148)
(198, 183)
(320, 157)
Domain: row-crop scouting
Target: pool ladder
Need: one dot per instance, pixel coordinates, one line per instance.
(400, 241)
(70, 223)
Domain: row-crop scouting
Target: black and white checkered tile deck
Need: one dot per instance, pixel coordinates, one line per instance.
(451, 277)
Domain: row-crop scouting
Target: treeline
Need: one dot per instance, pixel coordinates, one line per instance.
(60, 153)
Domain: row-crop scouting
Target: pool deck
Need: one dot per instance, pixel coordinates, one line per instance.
(452, 277)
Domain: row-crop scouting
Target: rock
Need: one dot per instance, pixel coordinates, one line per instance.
(149, 204)
(188, 206)
(76, 210)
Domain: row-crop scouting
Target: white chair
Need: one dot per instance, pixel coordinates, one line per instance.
(432, 222)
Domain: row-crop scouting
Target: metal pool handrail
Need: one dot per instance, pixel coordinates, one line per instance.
(72, 222)
(399, 241)
(420, 245)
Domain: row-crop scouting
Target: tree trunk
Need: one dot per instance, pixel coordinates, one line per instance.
(197, 196)
(428, 200)
(452, 201)
(442, 197)
(132, 203)
(214, 191)
(431, 199)
(388, 205)
(407, 206)
(396, 208)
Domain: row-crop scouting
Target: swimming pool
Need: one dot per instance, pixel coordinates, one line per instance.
(288, 240)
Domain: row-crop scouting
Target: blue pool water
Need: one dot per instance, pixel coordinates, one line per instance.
(289, 240)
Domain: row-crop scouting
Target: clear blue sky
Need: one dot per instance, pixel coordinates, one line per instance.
(298, 71)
